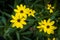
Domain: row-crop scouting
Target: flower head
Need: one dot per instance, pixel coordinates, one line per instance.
(50, 8)
(18, 21)
(30, 12)
(47, 26)
(21, 9)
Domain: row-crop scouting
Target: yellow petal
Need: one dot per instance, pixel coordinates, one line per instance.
(12, 21)
(52, 7)
(48, 8)
(18, 7)
(40, 30)
(15, 10)
(23, 22)
(13, 25)
(53, 38)
(38, 26)
(49, 5)
(48, 21)
(44, 22)
(21, 26)
(51, 11)
(12, 16)
(49, 39)
(51, 23)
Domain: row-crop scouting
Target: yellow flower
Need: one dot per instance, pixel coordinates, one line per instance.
(49, 5)
(30, 12)
(21, 9)
(18, 21)
(47, 26)
(50, 8)
(52, 39)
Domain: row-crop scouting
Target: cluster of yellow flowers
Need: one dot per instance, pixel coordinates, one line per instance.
(47, 25)
(20, 16)
(21, 13)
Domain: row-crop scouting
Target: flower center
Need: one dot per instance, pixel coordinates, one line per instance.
(21, 11)
(29, 12)
(48, 26)
(18, 20)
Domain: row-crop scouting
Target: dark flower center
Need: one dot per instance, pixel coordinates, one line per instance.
(21, 11)
(48, 26)
(18, 20)
(29, 12)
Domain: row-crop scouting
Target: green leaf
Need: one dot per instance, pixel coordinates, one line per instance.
(8, 37)
(4, 13)
(54, 15)
(3, 20)
(10, 6)
(1, 26)
(34, 3)
(16, 2)
(26, 33)
(26, 38)
(18, 35)
(9, 30)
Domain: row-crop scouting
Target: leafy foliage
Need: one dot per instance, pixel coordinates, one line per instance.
(29, 32)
